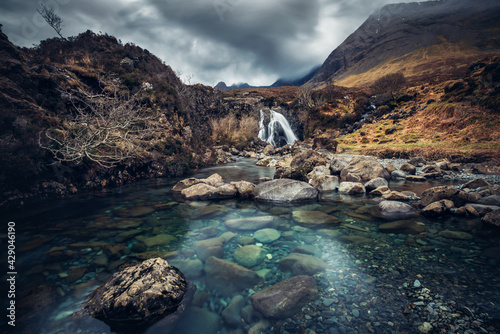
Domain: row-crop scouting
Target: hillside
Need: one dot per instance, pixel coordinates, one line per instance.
(426, 41)
(52, 97)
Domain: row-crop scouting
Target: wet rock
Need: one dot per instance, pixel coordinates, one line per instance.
(425, 328)
(302, 264)
(380, 191)
(484, 209)
(199, 191)
(285, 190)
(490, 200)
(244, 188)
(367, 168)
(492, 218)
(417, 161)
(438, 208)
(290, 173)
(393, 210)
(390, 169)
(431, 169)
(325, 182)
(408, 169)
(35, 243)
(209, 247)
(337, 165)
(352, 188)
(249, 224)
(229, 277)
(398, 175)
(267, 235)
(458, 197)
(402, 226)
(458, 235)
(286, 298)
(315, 219)
(75, 274)
(159, 240)
(184, 184)
(395, 196)
(477, 183)
(376, 183)
(350, 177)
(249, 256)
(415, 178)
(467, 211)
(213, 180)
(268, 150)
(232, 313)
(139, 295)
(190, 268)
(319, 170)
(209, 211)
(307, 160)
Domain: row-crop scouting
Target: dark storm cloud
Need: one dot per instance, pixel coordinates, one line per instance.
(255, 41)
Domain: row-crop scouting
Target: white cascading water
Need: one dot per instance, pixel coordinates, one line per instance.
(269, 133)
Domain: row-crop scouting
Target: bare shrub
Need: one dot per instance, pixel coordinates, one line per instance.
(230, 128)
(389, 84)
(107, 128)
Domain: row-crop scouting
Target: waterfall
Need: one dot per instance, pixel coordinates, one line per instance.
(278, 131)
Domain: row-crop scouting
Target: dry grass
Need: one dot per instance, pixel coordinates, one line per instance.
(232, 129)
(437, 62)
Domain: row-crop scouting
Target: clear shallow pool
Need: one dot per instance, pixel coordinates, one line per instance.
(67, 248)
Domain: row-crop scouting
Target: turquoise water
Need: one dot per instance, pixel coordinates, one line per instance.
(64, 249)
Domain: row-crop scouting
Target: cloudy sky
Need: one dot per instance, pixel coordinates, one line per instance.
(254, 41)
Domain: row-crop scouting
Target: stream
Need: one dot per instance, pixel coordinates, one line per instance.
(374, 282)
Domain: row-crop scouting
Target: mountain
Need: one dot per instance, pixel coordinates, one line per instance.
(431, 40)
(296, 81)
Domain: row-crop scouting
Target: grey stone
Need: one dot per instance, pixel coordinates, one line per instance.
(285, 190)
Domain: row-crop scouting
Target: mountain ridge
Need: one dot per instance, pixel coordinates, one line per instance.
(398, 30)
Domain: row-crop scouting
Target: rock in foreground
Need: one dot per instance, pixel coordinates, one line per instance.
(286, 298)
(393, 210)
(285, 190)
(140, 295)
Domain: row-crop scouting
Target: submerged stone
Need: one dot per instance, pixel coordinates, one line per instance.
(267, 235)
(315, 219)
(286, 298)
(302, 264)
(249, 256)
(249, 224)
(402, 226)
(229, 277)
(458, 235)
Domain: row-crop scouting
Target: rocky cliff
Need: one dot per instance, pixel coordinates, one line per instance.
(424, 40)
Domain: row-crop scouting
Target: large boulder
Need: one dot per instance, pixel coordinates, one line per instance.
(286, 298)
(367, 168)
(140, 295)
(244, 188)
(338, 164)
(457, 196)
(307, 160)
(409, 169)
(324, 182)
(393, 210)
(285, 190)
(229, 277)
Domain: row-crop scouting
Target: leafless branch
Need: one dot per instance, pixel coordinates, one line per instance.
(107, 128)
(53, 20)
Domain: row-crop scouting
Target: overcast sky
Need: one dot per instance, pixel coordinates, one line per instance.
(254, 41)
